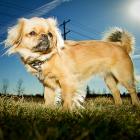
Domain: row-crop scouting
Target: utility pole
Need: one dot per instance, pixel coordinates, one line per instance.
(64, 28)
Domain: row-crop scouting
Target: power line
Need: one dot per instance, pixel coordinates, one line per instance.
(9, 15)
(71, 30)
(15, 6)
(88, 37)
(73, 38)
(85, 31)
(85, 26)
(64, 28)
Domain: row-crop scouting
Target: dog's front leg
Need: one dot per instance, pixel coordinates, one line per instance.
(52, 91)
(52, 97)
(49, 96)
(68, 88)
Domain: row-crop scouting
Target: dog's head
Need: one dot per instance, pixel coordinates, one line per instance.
(36, 35)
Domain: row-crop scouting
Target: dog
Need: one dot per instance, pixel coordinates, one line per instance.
(66, 65)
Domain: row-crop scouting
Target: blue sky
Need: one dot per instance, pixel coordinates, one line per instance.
(89, 19)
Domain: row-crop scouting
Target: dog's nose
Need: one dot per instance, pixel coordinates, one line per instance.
(44, 37)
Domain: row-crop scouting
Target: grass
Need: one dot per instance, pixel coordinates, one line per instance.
(101, 120)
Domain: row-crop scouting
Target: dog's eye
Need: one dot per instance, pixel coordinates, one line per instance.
(50, 35)
(32, 33)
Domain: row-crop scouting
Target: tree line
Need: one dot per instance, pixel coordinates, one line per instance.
(19, 88)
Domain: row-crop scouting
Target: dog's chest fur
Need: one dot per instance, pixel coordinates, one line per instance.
(46, 77)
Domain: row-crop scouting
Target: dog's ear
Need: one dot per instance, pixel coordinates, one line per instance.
(15, 36)
(57, 40)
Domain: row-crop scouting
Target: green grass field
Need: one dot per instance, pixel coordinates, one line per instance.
(100, 120)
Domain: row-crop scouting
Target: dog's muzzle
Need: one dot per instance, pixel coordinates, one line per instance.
(43, 45)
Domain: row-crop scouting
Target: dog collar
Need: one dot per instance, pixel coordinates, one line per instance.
(36, 64)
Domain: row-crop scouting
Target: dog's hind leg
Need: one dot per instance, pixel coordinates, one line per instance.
(130, 86)
(125, 76)
(111, 82)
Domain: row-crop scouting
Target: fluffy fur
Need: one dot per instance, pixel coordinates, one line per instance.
(16, 33)
(126, 39)
(74, 62)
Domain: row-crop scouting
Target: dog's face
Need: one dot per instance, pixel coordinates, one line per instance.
(36, 35)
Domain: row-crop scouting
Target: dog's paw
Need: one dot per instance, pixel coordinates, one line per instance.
(78, 101)
(58, 98)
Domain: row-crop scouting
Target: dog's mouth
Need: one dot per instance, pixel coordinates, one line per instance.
(42, 46)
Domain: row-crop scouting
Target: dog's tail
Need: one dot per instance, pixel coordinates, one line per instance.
(124, 38)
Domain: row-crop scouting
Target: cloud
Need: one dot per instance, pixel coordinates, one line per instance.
(42, 10)
(46, 8)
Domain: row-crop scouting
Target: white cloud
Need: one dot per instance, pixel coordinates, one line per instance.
(46, 8)
(37, 12)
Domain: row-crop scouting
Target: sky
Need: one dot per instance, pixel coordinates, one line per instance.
(88, 20)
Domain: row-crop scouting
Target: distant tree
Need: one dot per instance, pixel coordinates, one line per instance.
(5, 86)
(88, 90)
(89, 94)
(19, 87)
(104, 91)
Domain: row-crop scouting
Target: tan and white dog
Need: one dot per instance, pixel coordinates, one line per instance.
(67, 65)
